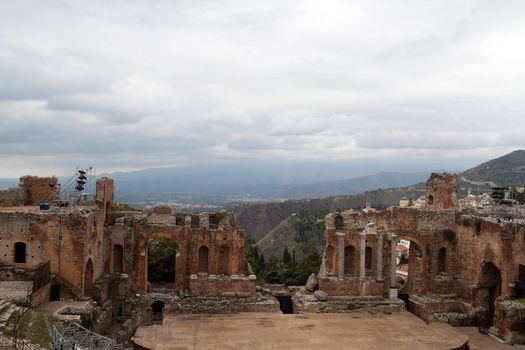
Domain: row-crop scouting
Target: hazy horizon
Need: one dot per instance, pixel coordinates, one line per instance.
(367, 85)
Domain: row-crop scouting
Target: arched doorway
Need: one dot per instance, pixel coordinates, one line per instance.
(88, 279)
(118, 258)
(162, 255)
(157, 309)
(203, 259)
(349, 260)
(490, 282)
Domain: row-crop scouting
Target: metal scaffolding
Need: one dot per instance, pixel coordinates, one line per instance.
(73, 336)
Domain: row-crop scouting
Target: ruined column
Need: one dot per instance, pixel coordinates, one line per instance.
(379, 255)
(393, 265)
(362, 252)
(341, 255)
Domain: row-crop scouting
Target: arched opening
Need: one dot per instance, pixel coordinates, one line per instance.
(442, 260)
(490, 281)
(20, 253)
(430, 199)
(329, 259)
(339, 223)
(285, 303)
(118, 258)
(349, 260)
(162, 255)
(224, 260)
(409, 271)
(368, 258)
(88, 279)
(157, 309)
(203, 259)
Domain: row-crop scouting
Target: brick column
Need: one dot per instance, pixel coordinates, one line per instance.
(362, 253)
(379, 255)
(393, 266)
(341, 255)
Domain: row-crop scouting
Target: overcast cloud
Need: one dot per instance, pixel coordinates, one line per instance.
(134, 84)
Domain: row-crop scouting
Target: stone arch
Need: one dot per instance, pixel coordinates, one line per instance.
(430, 199)
(224, 260)
(20, 253)
(329, 259)
(118, 258)
(203, 259)
(417, 264)
(88, 278)
(490, 283)
(349, 260)
(161, 263)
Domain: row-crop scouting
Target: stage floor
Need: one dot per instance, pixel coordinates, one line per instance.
(299, 331)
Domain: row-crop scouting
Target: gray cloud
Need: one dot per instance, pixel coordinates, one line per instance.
(125, 85)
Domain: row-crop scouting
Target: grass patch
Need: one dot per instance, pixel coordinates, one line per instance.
(520, 301)
(351, 307)
(33, 327)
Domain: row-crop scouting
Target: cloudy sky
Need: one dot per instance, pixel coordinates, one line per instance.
(127, 85)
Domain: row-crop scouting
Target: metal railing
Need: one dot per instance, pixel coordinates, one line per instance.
(73, 336)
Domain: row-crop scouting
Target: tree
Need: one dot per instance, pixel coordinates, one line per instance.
(287, 258)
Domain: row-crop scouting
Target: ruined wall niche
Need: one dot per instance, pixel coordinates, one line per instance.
(442, 260)
(329, 259)
(224, 260)
(339, 223)
(203, 259)
(350, 260)
(441, 191)
(118, 258)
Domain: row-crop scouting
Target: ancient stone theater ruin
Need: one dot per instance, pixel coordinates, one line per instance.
(466, 265)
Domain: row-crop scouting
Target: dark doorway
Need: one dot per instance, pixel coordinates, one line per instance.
(118, 258)
(404, 296)
(349, 260)
(54, 294)
(88, 279)
(203, 259)
(368, 258)
(157, 309)
(442, 260)
(285, 303)
(20, 253)
(490, 280)
(162, 255)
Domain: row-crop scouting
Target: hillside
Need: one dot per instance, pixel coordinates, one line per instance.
(302, 233)
(508, 170)
(259, 219)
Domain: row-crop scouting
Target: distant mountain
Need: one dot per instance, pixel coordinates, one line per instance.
(356, 185)
(8, 183)
(508, 170)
